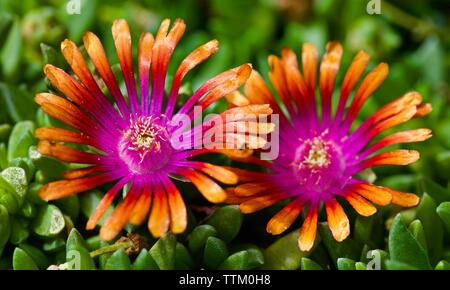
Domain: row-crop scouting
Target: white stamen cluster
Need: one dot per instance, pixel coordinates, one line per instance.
(318, 155)
(145, 135)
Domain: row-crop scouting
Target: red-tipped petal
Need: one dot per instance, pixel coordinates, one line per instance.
(119, 217)
(63, 188)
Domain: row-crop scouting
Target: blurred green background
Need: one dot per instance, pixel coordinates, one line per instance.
(414, 39)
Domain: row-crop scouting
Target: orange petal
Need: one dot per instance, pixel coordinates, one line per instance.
(284, 218)
(79, 66)
(226, 88)
(337, 220)
(144, 63)
(207, 187)
(80, 172)
(98, 57)
(410, 99)
(260, 202)
(236, 99)
(403, 199)
(208, 86)
(392, 121)
(197, 56)
(162, 51)
(417, 135)
(294, 79)
(423, 110)
(104, 204)
(370, 83)
(250, 112)
(394, 157)
(354, 72)
(257, 91)
(140, 210)
(308, 230)
(360, 204)
(278, 79)
(119, 217)
(178, 214)
(233, 198)
(247, 175)
(254, 188)
(63, 188)
(63, 110)
(217, 172)
(255, 128)
(159, 220)
(73, 90)
(122, 41)
(375, 194)
(67, 154)
(192, 60)
(309, 62)
(62, 135)
(235, 153)
(328, 71)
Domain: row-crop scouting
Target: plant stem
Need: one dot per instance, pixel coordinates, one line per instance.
(111, 248)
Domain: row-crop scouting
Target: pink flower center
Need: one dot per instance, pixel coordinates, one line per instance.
(145, 144)
(319, 165)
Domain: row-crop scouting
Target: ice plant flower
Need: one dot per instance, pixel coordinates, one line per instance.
(126, 138)
(320, 154)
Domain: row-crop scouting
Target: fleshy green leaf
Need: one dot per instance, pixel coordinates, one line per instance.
(227, 221)
(16, 178)
(345, 249)
(396, 265)
(284, 253)
(404, 248)
(77, 253)
(144, 261)
(22, 137)
(215, 252)
(19, 231)
(308, 264)
(237, 261)
(360, 266)
(183, 258)
(89, 202)
(442, 265)
(49, 221)
(198, 237)
(22, 261)
(5, 227)
(345, 264)
(118, 261)
(443, 210)
(416, 230)
(163, 252)
(37, 255)
(432, 226)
